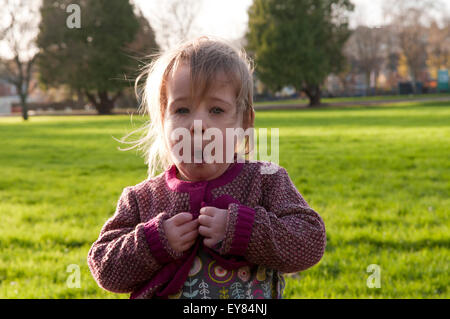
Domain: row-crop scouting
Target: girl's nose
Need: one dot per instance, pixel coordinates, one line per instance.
(198, 125)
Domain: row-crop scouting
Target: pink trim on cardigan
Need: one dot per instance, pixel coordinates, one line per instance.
(186, 186)
(155, 243)
(244, 223)
(170, 279)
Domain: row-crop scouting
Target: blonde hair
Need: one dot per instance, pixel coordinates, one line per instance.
(206, 56)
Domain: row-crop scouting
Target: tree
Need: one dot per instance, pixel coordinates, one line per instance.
(95, 58)
(439, 47)
(413, 41)
(365, 47)
(298, 42)
(18, 36)
(175, 21)
(409, 19)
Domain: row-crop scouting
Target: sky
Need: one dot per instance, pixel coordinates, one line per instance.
(228, 19)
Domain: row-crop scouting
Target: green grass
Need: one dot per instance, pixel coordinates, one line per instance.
(356, 99)
(378, 176)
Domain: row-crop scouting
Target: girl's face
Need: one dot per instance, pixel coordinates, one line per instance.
(216, 110)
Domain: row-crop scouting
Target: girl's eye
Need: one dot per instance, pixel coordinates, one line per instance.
(182, 110)
(216, 110)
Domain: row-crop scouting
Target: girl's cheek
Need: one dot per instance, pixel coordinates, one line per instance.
(175, 121)
(169, 132)
(174, 132)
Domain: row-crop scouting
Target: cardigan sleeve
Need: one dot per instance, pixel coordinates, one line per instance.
(129, 252)
(283, 233)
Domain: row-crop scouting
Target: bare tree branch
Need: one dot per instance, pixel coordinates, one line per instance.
(365, 48)
(19, 36)
(174, 21)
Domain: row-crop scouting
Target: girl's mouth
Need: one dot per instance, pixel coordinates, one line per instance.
(197, 157)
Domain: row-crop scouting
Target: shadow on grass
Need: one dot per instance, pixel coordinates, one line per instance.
(402, 245)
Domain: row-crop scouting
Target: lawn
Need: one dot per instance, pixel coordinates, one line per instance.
(378, 176)
(357, 99)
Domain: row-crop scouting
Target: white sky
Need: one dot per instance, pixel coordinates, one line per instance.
(368, 12)
(228, 18)
(371, 12)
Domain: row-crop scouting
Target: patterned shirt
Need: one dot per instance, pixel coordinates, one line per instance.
(208, 280)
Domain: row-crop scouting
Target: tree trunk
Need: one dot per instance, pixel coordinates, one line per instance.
(375, 88)
(23, 102)
(313, 93)
(368, 73)
(414, 82)
(105, 104)
(80, 98)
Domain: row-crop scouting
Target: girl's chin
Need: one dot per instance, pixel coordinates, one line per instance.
(192, 165)
(200, 171)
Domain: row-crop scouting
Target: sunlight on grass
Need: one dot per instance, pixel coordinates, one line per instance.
(378, 176)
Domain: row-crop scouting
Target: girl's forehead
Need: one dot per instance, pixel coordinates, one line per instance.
(179, 84)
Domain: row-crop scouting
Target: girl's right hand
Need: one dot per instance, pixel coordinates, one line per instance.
(181, 231)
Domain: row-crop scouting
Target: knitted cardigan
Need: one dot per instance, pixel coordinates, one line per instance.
(268, 223)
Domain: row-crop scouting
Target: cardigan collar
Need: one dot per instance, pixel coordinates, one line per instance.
(176, 184)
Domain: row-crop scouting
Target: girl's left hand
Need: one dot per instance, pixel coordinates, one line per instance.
(212, 223)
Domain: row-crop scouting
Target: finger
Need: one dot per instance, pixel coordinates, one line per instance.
(207, 210)
(188, 245)
(181, 218)
(205, 220)
(190, 236)
(209, 242)
(188, 227)
(205, 231)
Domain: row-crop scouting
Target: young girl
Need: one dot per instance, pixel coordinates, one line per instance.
(225, 229)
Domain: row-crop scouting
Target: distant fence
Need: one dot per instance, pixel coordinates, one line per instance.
(51, 106)
(63, 108)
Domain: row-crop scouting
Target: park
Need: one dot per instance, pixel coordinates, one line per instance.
(365, 137)
(377, 175)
